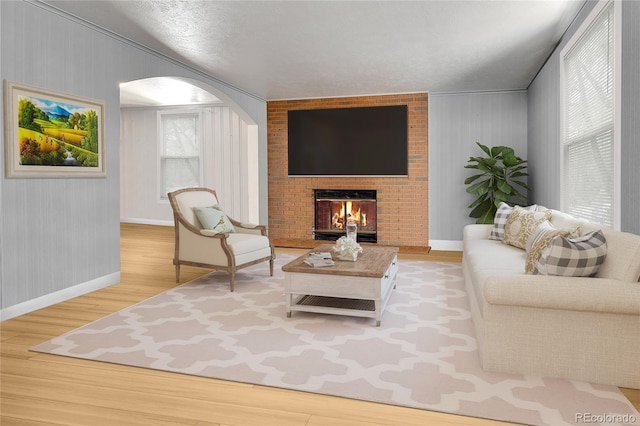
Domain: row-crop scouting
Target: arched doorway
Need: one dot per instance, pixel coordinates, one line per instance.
(227, 143)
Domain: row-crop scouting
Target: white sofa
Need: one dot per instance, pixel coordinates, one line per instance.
(571, 327)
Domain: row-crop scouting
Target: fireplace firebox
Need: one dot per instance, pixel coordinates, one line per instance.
(335, 207)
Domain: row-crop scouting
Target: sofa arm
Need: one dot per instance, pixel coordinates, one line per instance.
(476, 231)
(567, 293)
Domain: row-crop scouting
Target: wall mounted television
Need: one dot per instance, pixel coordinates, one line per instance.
(362, 141)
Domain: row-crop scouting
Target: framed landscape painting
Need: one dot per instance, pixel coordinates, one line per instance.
(52, 134)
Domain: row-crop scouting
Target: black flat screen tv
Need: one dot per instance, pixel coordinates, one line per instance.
(363, 141)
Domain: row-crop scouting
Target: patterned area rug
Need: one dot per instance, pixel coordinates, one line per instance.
(424, 355)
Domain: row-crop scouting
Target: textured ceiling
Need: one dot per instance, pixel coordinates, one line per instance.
(306, 49)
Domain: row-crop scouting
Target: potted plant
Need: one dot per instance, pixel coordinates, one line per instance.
(501, 171)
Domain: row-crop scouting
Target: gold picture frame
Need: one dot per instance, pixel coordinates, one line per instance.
(52, 134)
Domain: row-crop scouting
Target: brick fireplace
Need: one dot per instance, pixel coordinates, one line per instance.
(402, 202)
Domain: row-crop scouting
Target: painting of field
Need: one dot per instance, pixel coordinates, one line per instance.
(53, 132)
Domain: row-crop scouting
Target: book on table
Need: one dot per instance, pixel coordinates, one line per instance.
(319, 259)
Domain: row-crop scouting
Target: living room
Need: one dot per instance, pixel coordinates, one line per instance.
(527, 120)
(72, 226)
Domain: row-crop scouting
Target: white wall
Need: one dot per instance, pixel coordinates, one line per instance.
(225, 165)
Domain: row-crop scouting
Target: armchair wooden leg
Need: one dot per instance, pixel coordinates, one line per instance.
(271, 267)
(177, 272)
(231, 283)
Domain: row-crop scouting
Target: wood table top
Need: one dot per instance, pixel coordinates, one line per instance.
(372, 262)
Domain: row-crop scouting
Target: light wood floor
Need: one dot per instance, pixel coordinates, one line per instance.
(40, 389)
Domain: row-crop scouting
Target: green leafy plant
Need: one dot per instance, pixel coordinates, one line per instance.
(500, 173)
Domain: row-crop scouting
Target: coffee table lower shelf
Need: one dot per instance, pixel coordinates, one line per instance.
(335, 305)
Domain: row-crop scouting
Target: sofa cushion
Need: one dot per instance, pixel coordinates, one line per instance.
(489, 254)
(573, 257)
(563, 220)
(485, 258)
(500, 220)
(538, 241)
(521, 224)
(247, 243)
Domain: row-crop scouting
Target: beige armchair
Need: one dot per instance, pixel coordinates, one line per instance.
(197, 246)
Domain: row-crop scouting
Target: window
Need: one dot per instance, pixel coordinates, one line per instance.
(180, 151)
(590, 158)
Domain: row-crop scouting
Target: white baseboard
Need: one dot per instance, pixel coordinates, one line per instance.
(59, 296)
(147, 221)
(446, 245)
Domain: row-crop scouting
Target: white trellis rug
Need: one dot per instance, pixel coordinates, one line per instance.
(424, 355)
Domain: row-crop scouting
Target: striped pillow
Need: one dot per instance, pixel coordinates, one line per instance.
(573, 257)
(538, 241)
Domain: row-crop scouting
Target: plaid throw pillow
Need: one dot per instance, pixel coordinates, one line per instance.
(500, 220)
(573, 257)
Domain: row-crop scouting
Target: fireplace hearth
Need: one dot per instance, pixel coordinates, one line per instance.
(335, 207)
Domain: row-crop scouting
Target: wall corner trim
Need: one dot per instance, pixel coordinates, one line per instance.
(446, 245)
(59, 296)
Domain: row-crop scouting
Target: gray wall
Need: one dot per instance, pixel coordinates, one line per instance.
(456, 122)
(630, 117)
(544, 121)
(60, 237)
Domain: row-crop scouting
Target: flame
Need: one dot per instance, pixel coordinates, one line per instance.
(357, 216)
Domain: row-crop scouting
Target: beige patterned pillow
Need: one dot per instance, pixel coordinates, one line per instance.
(521, 224)
(538, 241)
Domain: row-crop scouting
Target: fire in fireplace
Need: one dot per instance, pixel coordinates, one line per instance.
(334, 208)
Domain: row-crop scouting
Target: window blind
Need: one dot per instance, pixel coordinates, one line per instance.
(179, 152)
(589, 111)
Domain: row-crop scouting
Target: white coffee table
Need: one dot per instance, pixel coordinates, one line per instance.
(361, 288)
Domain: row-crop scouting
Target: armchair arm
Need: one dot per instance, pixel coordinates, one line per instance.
(212, 233)
(248, 228)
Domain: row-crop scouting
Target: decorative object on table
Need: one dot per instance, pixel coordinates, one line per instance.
(347, 249)
(52, 134)
(319, 259)
(352, 230)
(500, 171)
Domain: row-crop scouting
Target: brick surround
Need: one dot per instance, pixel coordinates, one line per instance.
(402, 201)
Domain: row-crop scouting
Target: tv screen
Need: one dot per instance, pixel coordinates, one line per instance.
(363, 141)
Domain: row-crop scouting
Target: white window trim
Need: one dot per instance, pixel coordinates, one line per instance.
(163, 198)
(617, 173)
